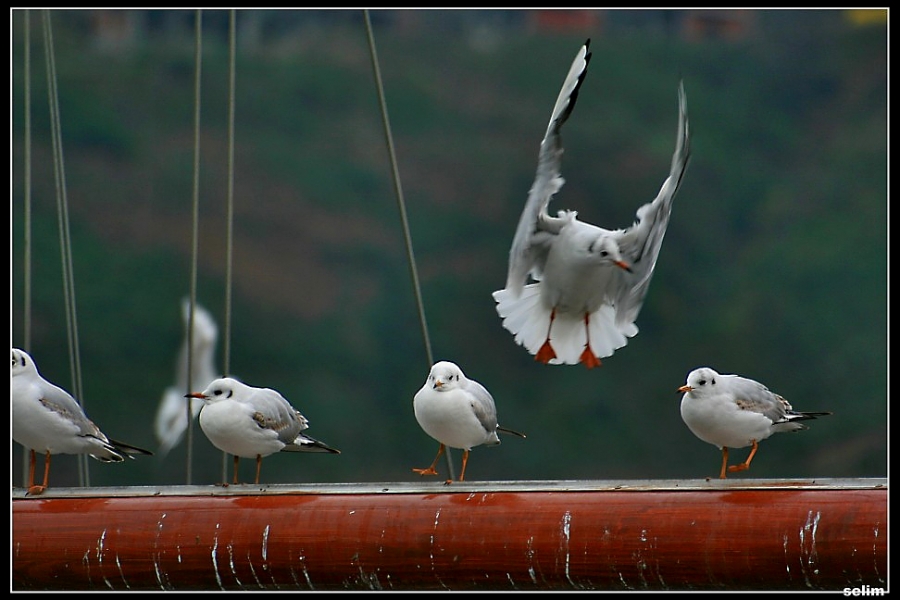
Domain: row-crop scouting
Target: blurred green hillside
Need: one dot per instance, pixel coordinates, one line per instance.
(774, 265)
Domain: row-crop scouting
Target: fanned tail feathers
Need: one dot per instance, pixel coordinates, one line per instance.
(528, 320)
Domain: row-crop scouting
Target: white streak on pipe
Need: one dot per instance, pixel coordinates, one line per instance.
(100, 559)
(566, 528)
(215, 561)
(121, 573)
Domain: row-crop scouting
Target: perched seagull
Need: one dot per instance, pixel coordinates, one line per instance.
(456, 411)
(171, 416)
(729, 411)
(47, 419)
(589, 283)
(253, 422)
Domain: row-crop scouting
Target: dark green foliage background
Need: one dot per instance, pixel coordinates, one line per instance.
(774, 265)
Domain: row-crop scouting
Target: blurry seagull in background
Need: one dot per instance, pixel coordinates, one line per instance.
(171, 416)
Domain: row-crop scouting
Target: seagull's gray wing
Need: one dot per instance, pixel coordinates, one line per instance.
(755, 397)
(640, 243)
(61, 403)
(483, 405)
(272, 411)
(536, 227)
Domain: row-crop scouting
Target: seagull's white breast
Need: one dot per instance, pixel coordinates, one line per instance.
(573, 281)
(230, 427)
(41, 429)
(718, 420)
(448, 417)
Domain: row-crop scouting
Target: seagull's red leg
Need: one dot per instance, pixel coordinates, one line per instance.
(724, 462)
(258, 465)
(746, 464)
(47, 468)
(430, 470)
(588, 357)
(237, 459)
(546, 352)
(34, 490)
(31, 462)
(465, 460)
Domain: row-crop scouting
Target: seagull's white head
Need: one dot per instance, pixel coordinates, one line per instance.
(220, 389)
(445, 376)
(700, 381)
(604, 249)
(21, 363)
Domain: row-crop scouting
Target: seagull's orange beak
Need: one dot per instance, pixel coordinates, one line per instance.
(195, 395)
(685, 388)
(438, 384)
(623, 265)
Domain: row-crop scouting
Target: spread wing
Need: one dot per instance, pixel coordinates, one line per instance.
(640, 243)
(536, 227)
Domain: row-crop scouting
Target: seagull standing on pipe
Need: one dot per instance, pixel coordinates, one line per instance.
(458, 412)
(252, 422)
(47, 419)
(729, 411)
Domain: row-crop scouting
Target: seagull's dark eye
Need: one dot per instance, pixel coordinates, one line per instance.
(217, 393)
(604, 253)
(702, 382)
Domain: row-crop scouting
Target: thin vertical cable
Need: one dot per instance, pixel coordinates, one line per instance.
(27, 233)
(195, 243)
(399, 191)
(401, 205)
(229, 201)
(65, 236)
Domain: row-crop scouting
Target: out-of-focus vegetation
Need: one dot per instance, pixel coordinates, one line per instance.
(774, 265)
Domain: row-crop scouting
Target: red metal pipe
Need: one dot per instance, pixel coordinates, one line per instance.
(731, 535)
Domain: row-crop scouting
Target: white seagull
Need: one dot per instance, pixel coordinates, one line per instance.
(171, 416)
(253, 422)
(729, 411)
(589, 283)
(47, 419)
(456, 411)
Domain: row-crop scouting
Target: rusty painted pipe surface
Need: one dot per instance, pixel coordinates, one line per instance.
(716, 535)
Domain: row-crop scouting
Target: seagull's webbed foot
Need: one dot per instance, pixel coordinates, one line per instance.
(546, 353)
(428, 471)
(746, 464)
(590, 359)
